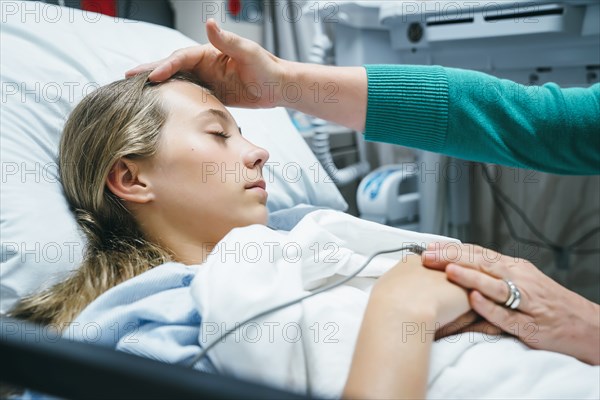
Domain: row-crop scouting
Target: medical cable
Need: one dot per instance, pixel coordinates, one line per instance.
(560, 251)
(412, 248)
(546, 242)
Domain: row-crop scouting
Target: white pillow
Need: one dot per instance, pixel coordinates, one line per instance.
(51, 58)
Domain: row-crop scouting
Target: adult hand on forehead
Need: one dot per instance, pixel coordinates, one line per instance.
(239, 71)
(549, 316)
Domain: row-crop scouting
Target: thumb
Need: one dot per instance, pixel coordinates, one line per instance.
(227, 42)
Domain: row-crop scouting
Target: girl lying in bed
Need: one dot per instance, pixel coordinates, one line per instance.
(133, 164)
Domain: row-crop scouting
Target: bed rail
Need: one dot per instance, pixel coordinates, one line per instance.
(34, 357)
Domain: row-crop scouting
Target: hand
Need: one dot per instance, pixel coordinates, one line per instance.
(243, 74)
(238, 70)
(408, 284)
(549, 316)
(468, 322)
(394, 343)
(429, 287)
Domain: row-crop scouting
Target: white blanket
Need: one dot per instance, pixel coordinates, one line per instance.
(310, 345)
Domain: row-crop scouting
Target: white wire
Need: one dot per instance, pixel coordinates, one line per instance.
(413, 248)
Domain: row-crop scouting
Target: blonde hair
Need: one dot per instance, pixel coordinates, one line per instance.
(121, 119)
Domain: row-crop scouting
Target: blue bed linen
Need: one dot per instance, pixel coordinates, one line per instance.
(153, 315)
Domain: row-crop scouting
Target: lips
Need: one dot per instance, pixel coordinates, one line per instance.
(258, 184)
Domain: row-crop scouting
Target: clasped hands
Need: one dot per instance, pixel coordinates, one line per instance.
(549, 316)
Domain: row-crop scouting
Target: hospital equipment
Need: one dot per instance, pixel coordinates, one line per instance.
(531, 42)
(320, 144)
(390, 195)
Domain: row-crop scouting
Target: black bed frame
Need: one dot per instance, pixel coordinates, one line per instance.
(32, 357)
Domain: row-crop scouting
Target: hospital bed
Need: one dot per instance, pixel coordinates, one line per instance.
(48, 364)
(51, 58)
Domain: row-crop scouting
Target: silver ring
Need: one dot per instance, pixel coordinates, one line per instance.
(514, 297)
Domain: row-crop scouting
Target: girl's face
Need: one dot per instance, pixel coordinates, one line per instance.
(206, 178)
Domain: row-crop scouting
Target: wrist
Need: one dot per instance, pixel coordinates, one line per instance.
(405, 303)
(581, 329)
(588, 333)
(289, 76)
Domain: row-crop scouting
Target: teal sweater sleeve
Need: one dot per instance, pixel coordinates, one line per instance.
(475, 116)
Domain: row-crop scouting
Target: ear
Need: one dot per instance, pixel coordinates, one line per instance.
(125, 181)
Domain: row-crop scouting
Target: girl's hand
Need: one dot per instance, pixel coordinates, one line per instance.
(410, 285)
(407, 304)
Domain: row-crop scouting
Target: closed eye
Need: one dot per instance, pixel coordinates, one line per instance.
(221, 134)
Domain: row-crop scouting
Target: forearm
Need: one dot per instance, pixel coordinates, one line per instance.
(544, 128)
(337, 94)
(475, 116)
(391, 360)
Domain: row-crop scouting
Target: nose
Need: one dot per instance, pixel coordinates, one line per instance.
(256, 157)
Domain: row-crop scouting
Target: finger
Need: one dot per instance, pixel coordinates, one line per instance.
(474, 257)
(464, 320)
(500, 316)
(141, 68)
(432, 259)
(165, 70)
(482, 327)
(433, 256)
(175, 62)
(227, 42)
(438, 255)
(492, 288)
(180, 60)
(457, 325)
(469, 317)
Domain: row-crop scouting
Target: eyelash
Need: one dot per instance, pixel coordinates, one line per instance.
(222, 134)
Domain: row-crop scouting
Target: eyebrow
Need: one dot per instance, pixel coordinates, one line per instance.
(217, 113)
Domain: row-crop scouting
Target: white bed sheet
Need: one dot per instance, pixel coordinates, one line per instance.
(313, 342)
